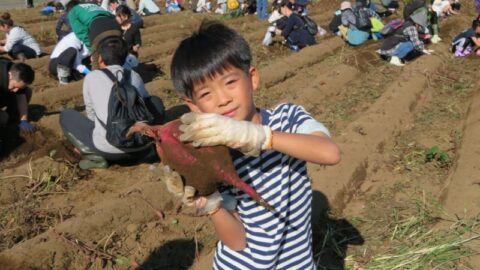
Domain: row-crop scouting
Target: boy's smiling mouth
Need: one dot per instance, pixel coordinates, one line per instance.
(230, 113)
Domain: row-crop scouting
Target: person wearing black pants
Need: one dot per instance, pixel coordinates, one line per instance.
(29, 3)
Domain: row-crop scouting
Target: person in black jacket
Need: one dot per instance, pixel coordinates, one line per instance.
(15, 95)
(295, 33)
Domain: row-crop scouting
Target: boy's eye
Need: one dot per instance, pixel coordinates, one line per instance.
(203, 94)
(231, 81)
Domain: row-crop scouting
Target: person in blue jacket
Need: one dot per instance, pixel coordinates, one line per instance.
(295, 32)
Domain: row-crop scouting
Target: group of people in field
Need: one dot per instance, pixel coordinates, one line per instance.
(402, 36)
(213, 74)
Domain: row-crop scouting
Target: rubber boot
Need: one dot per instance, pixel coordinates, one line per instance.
(90, 160)
(63, 73)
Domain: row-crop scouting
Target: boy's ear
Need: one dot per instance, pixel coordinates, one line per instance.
(191, 105)
(255, 78)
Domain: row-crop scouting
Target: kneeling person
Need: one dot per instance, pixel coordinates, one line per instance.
(67, 58)
(14, 96)
(89, 134)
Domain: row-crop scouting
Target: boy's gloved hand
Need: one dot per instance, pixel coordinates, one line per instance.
(210, 129)
(210, 204)
(25, 126)
(175, 185)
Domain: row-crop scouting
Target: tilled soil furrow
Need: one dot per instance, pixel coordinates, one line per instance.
(361, 138)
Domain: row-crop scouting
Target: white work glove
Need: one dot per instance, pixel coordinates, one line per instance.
(211, 204)
(428, 52)
(175, 185)
(210, 129)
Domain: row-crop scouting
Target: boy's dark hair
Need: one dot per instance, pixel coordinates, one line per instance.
(123, 10)
(22, 72)
(113, 51)
(206, 53)
(113, 1)
(475, 24)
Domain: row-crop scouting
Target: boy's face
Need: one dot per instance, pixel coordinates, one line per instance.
(229, 93)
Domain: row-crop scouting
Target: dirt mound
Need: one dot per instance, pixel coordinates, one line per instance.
(408, 139)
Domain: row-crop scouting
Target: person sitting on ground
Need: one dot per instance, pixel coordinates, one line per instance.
(402, 42)
(131, 35)
(88, 134)
(295, 34)
(203, 6)
(443, 8)
(384, 8)
(18, 43)
(172, 6)
(15, 94)
(221, 7)
(211, 71)
(467, 41)
(147, 7)
(67, 58)
(356, 24)
(134, 17)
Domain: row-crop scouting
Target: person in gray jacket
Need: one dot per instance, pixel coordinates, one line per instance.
(19, 44)
(87, 133)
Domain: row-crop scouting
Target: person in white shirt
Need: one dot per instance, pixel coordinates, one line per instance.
(67, 57)
(19, 44)
(147, 7)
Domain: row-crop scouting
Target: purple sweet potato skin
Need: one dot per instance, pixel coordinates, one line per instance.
(202, 168)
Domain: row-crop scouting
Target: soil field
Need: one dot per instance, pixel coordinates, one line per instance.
(406, 194)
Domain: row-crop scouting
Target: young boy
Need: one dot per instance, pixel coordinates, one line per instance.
(466, 42)
(212, 72)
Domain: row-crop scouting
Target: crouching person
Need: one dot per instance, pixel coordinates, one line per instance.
(467, 41)
(99, 136)
(402, 42)
(295, 33)
(15, 96)
(66, 60)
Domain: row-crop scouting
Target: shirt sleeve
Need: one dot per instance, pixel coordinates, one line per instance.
(87, 99)
(137, 38)
(138, 83)
(304, 123)
(13, 38)
(412, 33)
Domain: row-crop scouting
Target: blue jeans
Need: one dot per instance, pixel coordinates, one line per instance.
(262, 9)
(403, 49)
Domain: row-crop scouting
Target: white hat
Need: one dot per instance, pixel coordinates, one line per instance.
(345, 5)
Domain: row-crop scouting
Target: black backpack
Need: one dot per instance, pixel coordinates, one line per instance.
(310, 25)
(125, 108)
(362, 18)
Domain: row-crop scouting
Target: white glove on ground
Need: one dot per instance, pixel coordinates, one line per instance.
(210, 129)
(428, 52)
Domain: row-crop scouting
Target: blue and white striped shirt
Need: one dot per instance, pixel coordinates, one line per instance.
(281, 240)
